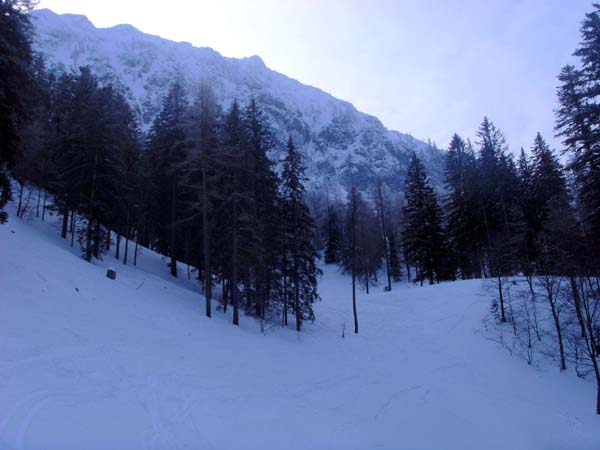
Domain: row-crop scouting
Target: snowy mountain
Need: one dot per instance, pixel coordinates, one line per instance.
(340, 144)
(91, 363)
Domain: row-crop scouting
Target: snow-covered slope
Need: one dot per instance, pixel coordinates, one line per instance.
(340, 143)
(90, 363)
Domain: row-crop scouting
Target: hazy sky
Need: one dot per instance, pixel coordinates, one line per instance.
(425, 67)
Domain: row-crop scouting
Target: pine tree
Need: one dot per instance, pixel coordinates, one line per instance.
(264, 189)
(577, 115)
(299, 237)
(461, 204)
(238, 210)
(423, 236)
(333, 236)
(203, 175)
(15, 76)
(395, 265)
(167, 152)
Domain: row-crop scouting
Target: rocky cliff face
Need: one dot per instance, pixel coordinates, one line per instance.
(339, 143)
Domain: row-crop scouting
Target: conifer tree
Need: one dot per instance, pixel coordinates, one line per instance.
(422, 235)
(167, 153)
(299, 237)
(203, 176)
(333, 235)
(577, 119)
(461, 204)
(15, 76)
(395, 264)
(238, 209)
(264, 189)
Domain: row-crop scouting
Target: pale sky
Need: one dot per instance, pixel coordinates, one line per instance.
(425, 67)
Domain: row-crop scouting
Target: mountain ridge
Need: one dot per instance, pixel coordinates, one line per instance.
(341, 145)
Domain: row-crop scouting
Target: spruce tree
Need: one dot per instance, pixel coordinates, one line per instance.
(237, 217)
(263, 186)
(333, 235)
(204, 171)
(576, 123)
(462, 210)
(395, 264)
(167, 152)
(15, 76)
(423, 236)
(299, 236)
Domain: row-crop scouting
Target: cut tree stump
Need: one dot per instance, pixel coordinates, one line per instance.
(111, 273)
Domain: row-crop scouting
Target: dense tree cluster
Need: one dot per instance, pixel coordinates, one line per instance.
(202, 189)
(199, 188)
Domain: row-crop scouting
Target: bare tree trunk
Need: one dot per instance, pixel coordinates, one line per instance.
(118, 246)
(88, 246)
(384, 234)
(234, 274)
(353, 218)
(20, 199)
(501, 297)
(108, 240)
(39, 197)
(551, 294)
(285, 300)
(135, 251)
(65, 222)
(44, 205)
(173, 219)
(206, 244)
(73, 222)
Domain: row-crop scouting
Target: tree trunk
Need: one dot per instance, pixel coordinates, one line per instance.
(384, 234)
(39, 197)
(285, 300)
(88, 246)
(555, 316)
(501, 297)
(44, 205)
(65, 223)
(73, 222)
(20, 205)
(234, 269)
(135, 251)
(173, 219)
(206, 245)
(118, 247)
(297, 311)
(354, 269)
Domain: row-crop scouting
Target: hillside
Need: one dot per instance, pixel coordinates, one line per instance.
(339, 142)
(87, 362)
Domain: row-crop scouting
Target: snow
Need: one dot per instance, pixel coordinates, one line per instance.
(332, 134)
(86, 362)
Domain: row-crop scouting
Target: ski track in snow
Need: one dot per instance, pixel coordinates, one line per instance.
(86, 362)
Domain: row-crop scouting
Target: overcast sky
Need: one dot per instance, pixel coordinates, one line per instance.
(425, 67)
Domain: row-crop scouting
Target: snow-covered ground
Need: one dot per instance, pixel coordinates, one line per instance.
(90, 363)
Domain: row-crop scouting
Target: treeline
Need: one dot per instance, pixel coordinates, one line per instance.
(497, 217)
(199, 187)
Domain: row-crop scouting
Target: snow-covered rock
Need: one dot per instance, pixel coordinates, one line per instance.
(340, 144)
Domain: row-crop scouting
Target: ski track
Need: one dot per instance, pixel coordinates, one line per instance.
(86, 362)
